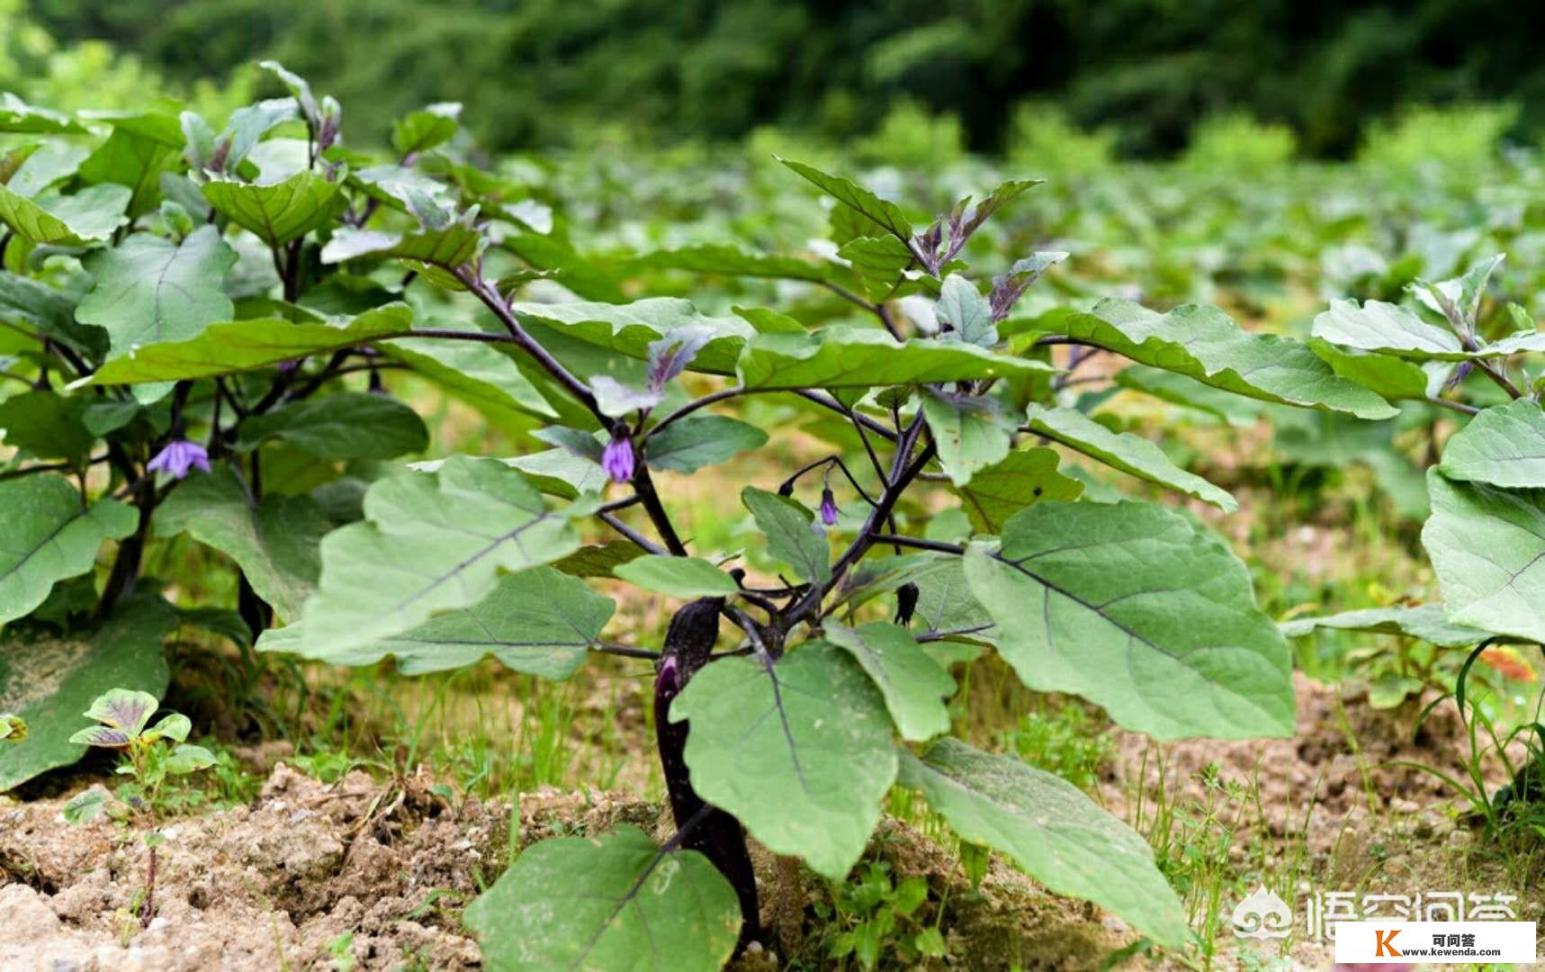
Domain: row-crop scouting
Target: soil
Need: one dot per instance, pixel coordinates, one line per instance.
(370, 874)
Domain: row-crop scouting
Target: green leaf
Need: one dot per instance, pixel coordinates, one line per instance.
(275, 542)
(1502, 446)
(141, 147)
(235, 346)
(1021, 478)
(1424, 622)
(677, 576)
(419, 131)
(126, 709)
(1132, 454)
(732, 261)
(49, 533)
(1487, 546)
(856, 357)
(87, 217)
(343, 425)
(696, 441)
(187, 758)
(629, 329)
(19, 117)
(449, 248)
(1186, 392)
(879, 262)
(792, 535)
(539, 621)
(1202, 343)
(1390, 377)
(49, 682)
(599, 904)
(477, 374)
(799, 751)
(150, 290)
(429, 543)
(86, 806)
(966, 311)
(1050, 830)
(278, 212)
(1387, 329)
(1135, 609)
(47, 425)
(913, 685)
(886, 215)
(971, 433)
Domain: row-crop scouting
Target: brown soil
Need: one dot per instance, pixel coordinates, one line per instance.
(285, 882)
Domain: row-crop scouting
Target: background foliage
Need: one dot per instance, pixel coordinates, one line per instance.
(545, 71)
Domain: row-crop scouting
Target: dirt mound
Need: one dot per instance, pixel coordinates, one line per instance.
(310, 873)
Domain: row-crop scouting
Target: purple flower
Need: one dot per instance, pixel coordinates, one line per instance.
(828, 507)
(617, 459)
(179, 456)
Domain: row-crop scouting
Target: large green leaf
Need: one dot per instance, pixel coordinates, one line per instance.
(150, 290)
(799, 751)
(1132, 607)
(277, 212)
(47, 425)
(539, 621)
(1424, 622)
(1021, 478)
(1201, 342)
(430, 542)
(275, 542)
(608, 903)
(1487, 546)
(677, 576)
(234, 346)
(1129, 453)
(343, 425)
(51, 682)
(86, 217)
(1390, 377)
(913, 685)
(792, 535)
(1051, 830)
(629, 329)
(701, 440)
(48, 533)
(1502, 446)
(859, 357)
(970, 433)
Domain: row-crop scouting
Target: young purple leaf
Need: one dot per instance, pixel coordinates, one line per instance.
(828, 507)
(103, 737)
(617, 459)
(179, 456)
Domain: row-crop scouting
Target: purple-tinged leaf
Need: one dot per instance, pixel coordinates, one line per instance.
(103, 737)
(124, 709)
(669, 356)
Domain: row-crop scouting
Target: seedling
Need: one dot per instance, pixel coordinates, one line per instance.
(150, 757)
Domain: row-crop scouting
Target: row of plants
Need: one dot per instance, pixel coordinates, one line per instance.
(208, 332)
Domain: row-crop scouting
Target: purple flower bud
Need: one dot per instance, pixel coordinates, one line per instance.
(179, 456)
(289, 367)
(828, 507)
(617, 459)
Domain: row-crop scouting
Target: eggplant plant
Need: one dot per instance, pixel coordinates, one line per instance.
(215, 339)
(1452, 348)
